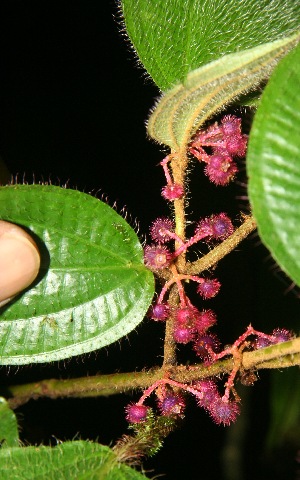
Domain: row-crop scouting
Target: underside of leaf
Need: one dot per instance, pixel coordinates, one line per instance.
(172, 38)
(185, 108)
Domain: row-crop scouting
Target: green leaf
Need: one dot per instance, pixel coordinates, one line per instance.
(93, 287)
(9, 435)
(173, 37)
(70, 460)
(182, 110)
(273, 163)
(285, 412)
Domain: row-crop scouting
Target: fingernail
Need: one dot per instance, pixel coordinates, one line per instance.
(19, 261)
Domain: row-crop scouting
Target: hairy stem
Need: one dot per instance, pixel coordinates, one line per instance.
(169, 343)
(219, 252)
(282, 355)
(179, 165)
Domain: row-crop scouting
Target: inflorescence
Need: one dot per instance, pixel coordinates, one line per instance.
(217, 146)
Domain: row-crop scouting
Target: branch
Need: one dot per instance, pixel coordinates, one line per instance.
(213, 257)
(282, 355)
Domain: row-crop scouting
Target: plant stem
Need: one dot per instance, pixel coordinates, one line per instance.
(169, 343)
(282, 355)
(213, 257)
(179, 165)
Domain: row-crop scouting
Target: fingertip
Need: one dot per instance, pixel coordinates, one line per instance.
(19, 261)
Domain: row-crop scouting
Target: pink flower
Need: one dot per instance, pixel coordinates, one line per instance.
(281, 335)
(209, 391)
(204, 344)
(183, 334)
(160, 229)
(157, 257)
(172, 192)
(136, 413)
(221, 169)
(172, 404)
(209, 288)
(205, 320)
(217, 226)
(224, 412)
(159, 311)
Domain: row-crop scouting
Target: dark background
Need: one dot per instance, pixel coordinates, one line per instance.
(72, 109)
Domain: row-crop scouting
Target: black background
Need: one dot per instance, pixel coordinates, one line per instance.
(73, 103)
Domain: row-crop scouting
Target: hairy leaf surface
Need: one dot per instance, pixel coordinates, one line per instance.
(273, 163)
(93, 287)
(9, 435)
(70, 460)
(182, 110)
(173, 37)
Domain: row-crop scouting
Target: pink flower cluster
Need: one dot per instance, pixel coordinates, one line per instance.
(226, 141)
(158, 256)
(170, 394)
(170, 403)
(278, 335)
(217, 146)
(221, 410)
(189, 323)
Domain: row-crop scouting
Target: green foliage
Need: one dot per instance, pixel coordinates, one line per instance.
(149, 435)
(205, 91)
(274, 167)
(79, 459)
(173, 37)
(9, 436)
(93, 287)
(284, 408)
